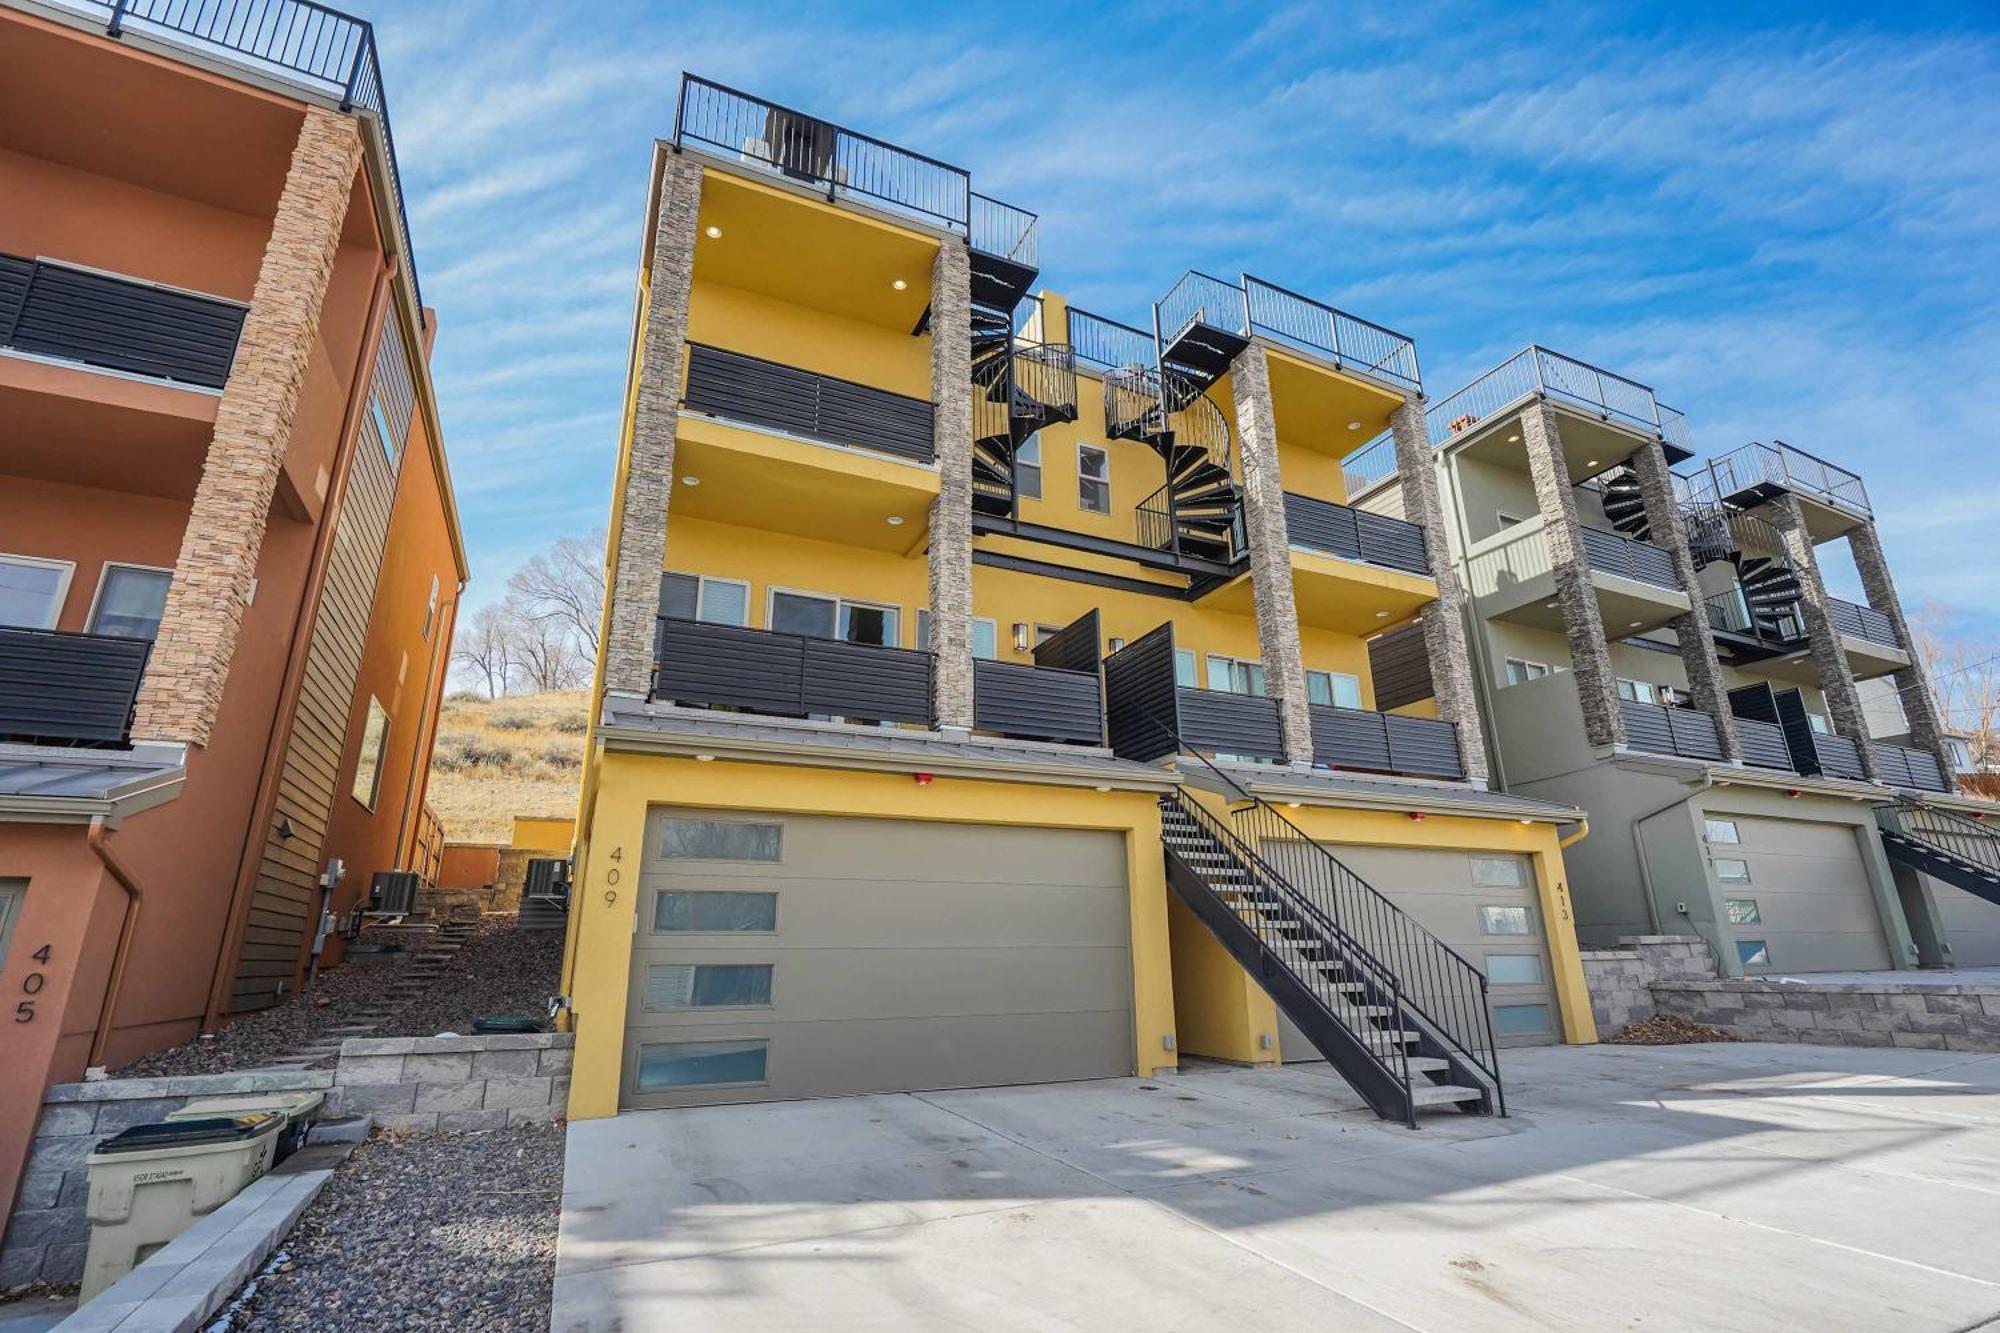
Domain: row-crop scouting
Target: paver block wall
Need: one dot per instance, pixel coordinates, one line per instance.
(1622, 980)
(454, 1083)
(47, 1233)
(1938, 1018)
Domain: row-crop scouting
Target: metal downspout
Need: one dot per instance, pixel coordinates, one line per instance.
(127, 927)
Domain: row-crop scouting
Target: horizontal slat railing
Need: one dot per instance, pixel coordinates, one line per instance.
(69, 689)
(1863, 622)
(1230, 724)
(1037, 703)
(763, 671)
(1838, 756)
(1902, 766)
(1763, 744)
(1358, 738)
(1628, 557)
(1660, 729)
(808, 149)
(739, 387)
(1356, 534)
(123, 324)
(1352, 342)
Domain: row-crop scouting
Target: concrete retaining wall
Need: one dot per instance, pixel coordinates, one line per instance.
(454, 1083)
(1623, 980)
(1887, 1013)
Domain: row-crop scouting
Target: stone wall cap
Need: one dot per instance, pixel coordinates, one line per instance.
(471, 1044)
(190, 1085)
(1762, 986)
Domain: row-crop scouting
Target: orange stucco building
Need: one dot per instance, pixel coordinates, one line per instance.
(229, 554)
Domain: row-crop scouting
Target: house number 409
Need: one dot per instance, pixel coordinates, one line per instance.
(31, 985)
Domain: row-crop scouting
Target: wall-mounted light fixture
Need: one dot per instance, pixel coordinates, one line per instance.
(1020, 637)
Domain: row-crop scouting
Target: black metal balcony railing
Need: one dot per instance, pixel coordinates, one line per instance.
(795, 675)
(1037, 702)
(1756, 472)
(1353, 343)
(1863, 622)
(1004, 230)
(1763, 744)
(750, 389)
(322, 49)
(1660, 729)
(817, 152)
(1358, 738)
(1902, 766)
(1199, 298)
(1356, 534)
(1826, 753)
(1628, 557)
(123, 324)
(69, 689)
(1105, 344)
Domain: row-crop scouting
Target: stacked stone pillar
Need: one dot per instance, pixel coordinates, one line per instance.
(1913, 684)
(1589, 650)
(253, 426)
(647, 486)
(1443, 620)
(1697, 645)
(951, 512)
(1836, 679)
(1270, 551)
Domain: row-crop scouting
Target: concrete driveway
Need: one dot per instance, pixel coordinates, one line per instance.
(1699, 1187)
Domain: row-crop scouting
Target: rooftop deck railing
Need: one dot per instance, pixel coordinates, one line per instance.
(805, 148)
(1004, 230)
(330, 53)
(1756, 467)
(1105, 344)
(1536, 370)
(1201, 298)
(1372, 465)
(1355, 343)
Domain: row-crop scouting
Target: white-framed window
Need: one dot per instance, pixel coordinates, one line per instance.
(1185, 669)
(1722, 830)
(431, 610)
(1093, 479)
(1028, 468)
(32, 590)
(699, 597)
(1499, 872)
(824, 617)
(374, 741)
(1519, 670)
(1232, 675)
(13, 894)
(1818, 722)
(985, 634)
(1637, 690)
(1333, 687)
(390, 444)
(130, 600)
(1731, 870)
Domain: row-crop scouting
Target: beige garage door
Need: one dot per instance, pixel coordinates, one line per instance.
(789, 956)
(1795, 895)
(1484, 906)
(1971, 925)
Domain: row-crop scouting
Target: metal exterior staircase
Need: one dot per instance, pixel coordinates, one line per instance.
(1195, 512)
(1018, 388)
(1943, 845)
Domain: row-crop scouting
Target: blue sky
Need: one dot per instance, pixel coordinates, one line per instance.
(1789, 225)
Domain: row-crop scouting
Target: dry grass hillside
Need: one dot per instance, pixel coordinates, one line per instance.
(516, 755)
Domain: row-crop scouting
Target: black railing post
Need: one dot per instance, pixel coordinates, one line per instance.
(116, 28)
(362, 51)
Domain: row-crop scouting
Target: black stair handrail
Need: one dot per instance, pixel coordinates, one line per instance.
(1468, 1032)
(1945, 831)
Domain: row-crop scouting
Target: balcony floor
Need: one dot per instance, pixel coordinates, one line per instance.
(1627, 605)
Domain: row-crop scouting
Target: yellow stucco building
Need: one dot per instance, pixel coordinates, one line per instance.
(994, 692)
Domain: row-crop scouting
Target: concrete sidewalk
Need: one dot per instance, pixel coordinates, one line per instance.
(1685, 1188)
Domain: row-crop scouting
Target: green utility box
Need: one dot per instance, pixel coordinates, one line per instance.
(151, 1183)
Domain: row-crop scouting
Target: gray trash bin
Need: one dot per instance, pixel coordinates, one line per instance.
(151, 1183)
(298, 1109)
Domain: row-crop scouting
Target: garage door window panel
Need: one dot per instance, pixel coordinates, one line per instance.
(671, 986)
(1501, 919)
(1520, 1020)
(1731, 870)
(1723, 830)
(1753, 953)
(676, 912)
(721, 840)
(1498, 872)
(1743, 911)
(702, 1064)
(1514, 969)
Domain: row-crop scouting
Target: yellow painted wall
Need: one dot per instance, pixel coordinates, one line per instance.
(1220, 1011)
(602, 915)
(537, 834)
(810, 338)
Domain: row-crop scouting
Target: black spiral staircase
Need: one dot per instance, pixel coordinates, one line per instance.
(1196, 511)
(1018, 388)
(1943, 845)
(1769, 614)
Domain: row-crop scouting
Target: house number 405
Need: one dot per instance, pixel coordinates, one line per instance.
(31, 985)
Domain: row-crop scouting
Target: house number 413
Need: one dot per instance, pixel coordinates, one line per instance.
(31, 985)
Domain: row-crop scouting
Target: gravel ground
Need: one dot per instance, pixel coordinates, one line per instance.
(1666, 1030)
(430, 1231)
(499, 970)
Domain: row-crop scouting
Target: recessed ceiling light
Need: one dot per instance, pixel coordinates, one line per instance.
(1513, 439)
(1590, 462)
(895, 520)
(714, 233)
(1551, 604)
(1634, 624)
(1381, 615)
(704, 758)
(900, 285)
(1354, 425)
(1103, 787)
(1291, 805)
(690, 481)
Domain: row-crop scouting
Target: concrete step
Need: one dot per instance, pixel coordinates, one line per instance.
(1443, 1094)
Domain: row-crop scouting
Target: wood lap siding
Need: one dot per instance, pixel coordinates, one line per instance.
(281, 906)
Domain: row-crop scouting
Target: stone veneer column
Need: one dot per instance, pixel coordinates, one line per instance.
(253, 425)
(1443, 620)
(649, 473)
(1836, 679)
(1589, 650)
(951, 512)
(1913, 686)
(1697, 644)
(1270, 551)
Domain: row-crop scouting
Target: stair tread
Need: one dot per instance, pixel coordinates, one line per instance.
(1431, 1094)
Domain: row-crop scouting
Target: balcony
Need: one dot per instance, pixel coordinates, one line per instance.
(1867, 637)
(1763, 744)
(65, 313)
(1915, 770)
(1352, 344)
(797, 675)
(69, 689)
(1511, 577)
(1356, 534)
(1357, 738)
(1660, 729)
(1763, 707)
(1833, 499)
(1201, 326)
(1604, 418)
(777, 447)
